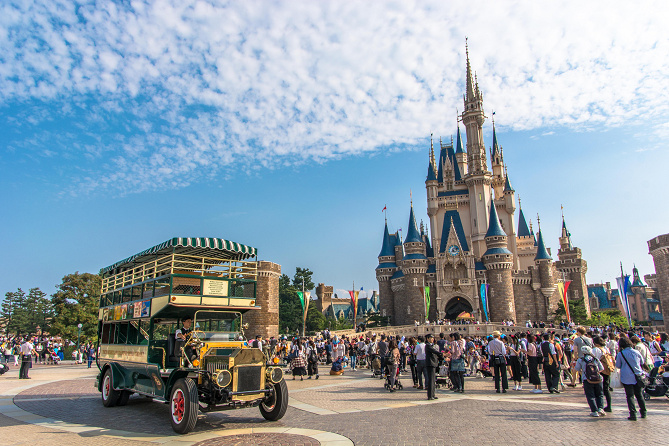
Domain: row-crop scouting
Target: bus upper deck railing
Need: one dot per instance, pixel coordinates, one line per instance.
(184, 264)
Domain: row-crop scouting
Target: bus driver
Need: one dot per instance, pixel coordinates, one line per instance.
(182, 334)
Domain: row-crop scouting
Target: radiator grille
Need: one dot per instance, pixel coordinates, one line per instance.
(214, 363)
(248, 378)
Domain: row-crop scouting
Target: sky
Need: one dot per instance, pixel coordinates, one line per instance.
(289, 126)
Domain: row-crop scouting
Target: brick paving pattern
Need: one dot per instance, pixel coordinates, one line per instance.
(260, 440)
(358, 407)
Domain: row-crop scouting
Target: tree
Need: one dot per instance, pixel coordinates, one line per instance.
(38, 312)
(290, 309)
(576, 311)
(302, 279)
(10, 311)
(315, 319)
(606, 317)
(77, 302)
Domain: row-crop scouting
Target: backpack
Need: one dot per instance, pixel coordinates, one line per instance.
(592, 371)
(607, 363)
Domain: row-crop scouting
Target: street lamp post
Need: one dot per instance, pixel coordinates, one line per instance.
(78, 336)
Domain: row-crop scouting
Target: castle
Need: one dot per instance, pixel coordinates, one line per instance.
(473, 239)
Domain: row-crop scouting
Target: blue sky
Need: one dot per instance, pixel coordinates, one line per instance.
(288, 126)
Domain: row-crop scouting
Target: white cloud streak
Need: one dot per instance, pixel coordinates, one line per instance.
(172, 91)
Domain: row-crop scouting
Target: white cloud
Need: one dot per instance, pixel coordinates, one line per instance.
(202, 86)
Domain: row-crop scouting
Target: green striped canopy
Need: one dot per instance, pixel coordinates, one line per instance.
(197, 246)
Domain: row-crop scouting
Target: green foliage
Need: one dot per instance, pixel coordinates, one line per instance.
(290, 308)
(26, 314)
(315, 319)
(607, 317)
(576, 311)
(376, 320)
(76, 302)
(341, 324)
(302, 279)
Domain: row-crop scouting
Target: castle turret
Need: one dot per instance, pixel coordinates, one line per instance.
(498, 261)
(639, 302)
(573, 268)
(525, 244)
(497, 165)
(414, 267)
(387, 267)
(544, 263)
(478, 179)
(658, 248)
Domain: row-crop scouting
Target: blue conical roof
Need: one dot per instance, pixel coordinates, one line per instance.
(542, 253)
(495, 147)
(523, 229)
(507, 186)
(458, 143)
(387, 247)
(412, 233)
(430, 173)
(494, 228)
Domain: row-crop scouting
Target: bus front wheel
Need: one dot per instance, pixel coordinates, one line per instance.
(274, 407)
(184, 406)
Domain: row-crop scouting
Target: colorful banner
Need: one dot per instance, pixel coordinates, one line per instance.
(300, 294)
(146, 308)
(484, 300)
(562, 288)
(623, 286)
(426, 300)
(354, 301)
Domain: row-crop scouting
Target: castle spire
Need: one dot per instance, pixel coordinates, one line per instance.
(458, 143)
(523, 230)
(507, 186)
(542, 252)
(495, 146)
(565, 238)
(412, 233)
(387, 248)
(494, 228)
(470, 82)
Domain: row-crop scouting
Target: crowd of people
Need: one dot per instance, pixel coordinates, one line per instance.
(596, 358)
(24, 351)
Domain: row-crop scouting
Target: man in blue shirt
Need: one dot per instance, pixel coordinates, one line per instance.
(629, 362)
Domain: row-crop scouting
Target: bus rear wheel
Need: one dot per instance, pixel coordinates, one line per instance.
(184, 406)
(109, 396)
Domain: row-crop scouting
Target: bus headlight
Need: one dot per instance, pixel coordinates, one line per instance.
(222, 378)
(275, 374)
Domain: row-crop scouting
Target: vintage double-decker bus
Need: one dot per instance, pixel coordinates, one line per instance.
(147, 297)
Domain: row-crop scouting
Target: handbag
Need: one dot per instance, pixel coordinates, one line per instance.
(499, 360)
(641, 380)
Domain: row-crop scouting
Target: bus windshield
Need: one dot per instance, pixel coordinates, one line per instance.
(219, 325)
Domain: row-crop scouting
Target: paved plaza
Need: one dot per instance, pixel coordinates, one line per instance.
(60, 405)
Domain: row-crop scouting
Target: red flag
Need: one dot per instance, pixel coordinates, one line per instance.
(565, 300)
(384, 208)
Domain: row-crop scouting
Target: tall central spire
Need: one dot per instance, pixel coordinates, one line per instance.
(470, 81)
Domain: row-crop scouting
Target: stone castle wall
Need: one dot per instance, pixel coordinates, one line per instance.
(265, 321)
(658, 247)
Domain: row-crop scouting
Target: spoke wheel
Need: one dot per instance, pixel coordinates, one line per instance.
(109, 395)
(184, 406)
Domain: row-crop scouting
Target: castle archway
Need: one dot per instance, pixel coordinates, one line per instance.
(455, 306)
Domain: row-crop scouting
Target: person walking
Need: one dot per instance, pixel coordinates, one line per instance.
(27, 351)
(533, 361)
(630, 362)
(298, 363)
(579, 341)
(392, 363)
(419, 352)
(590, 369)
(497, 351)
(432, 358)
(457, 367)
(353, 353)
(550, 360)
(602, 353)
(312, 360)
(515, 349)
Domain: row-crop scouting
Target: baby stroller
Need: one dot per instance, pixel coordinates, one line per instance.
(398, 384)
(376, 367)
(657, 385)
(4, 367)
(442, 379)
